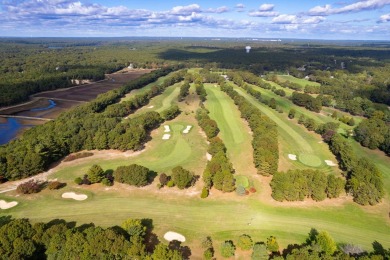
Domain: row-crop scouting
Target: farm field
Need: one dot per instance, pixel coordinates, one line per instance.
(223, 215)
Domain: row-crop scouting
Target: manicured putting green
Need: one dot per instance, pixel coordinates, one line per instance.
(242, 181)
(310, 160)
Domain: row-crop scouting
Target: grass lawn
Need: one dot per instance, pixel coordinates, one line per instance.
(302, 82)
(294, 139)
(221, 216)
(234, 131)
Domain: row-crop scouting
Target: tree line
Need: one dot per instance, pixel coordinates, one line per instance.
(296, 185)
(265, 134)
(219, 170)
(85, 127)
(59, 239)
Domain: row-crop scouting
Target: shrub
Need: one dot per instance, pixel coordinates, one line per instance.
(164, 179)
(86, 181)
(241, 191)
(95, 174)
(259, 252)
(107, 182)
(182, 177)
(205, 193)
(252, 189)
(207, 242)
(78, 181)
(29, 187)
(245, 242)
(208, 254)
(170, 183)
(55, 185)
(76, 156)
(133, 174)
(227, 249)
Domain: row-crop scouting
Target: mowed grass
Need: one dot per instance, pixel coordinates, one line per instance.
(234, 131)
(301, 82)
(221, 216)
(294, 139)
(195, 218)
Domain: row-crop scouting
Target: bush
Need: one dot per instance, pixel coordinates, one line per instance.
(95, 174)
(170, 184)
(133, 174)
(227, 249)
(252, 190)
(205, 193)
(241, 191)
(55, 185)
(78, 181)
(29, 187)
(76, 156)
(182, 177)
(208, 254)
(107, 182)
(164, 179)
(245, 242)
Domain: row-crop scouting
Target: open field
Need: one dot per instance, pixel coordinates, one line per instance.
(302, 82)
(221, 216)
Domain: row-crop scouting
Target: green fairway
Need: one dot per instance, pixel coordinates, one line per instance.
(233, 130)
(293, 138)
(310, 160)
(302, 82)
(195, 218)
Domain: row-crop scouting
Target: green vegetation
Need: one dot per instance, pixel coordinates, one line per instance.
(245, 115)
(310, 160)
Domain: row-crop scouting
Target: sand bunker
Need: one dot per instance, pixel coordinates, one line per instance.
(7, 205)
(330, 163)
(292, 157)
(166, 129)
(72, 195)
(166, 136)
(150, 106)
(209, 156)
(169, 236)
(187, 130)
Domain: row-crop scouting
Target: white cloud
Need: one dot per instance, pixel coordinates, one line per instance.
(265, 10)
(263, 14)
(182, 10)
(384, 18)
(219, 10)
(285, 19)
(240, 6)
(266, 7)
(313, 20)
(362, 5)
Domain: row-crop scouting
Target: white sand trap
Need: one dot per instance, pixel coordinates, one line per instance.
(166, 136)
(187, 130)
(209, 156)
(166, 129)
(169, 236)
(150, 106)
(292, 157)
(330, 163)
(72, 195)
(7, 205)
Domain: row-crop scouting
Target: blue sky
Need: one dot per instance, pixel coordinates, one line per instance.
(316, 19)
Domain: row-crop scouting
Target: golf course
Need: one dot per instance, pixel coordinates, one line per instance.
(222, 216)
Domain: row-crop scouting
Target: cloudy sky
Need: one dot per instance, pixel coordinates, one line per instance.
(315, 19)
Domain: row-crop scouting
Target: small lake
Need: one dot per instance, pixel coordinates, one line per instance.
(12, 126)
(9, 130)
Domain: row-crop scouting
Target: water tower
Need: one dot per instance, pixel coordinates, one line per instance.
(248, 49)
